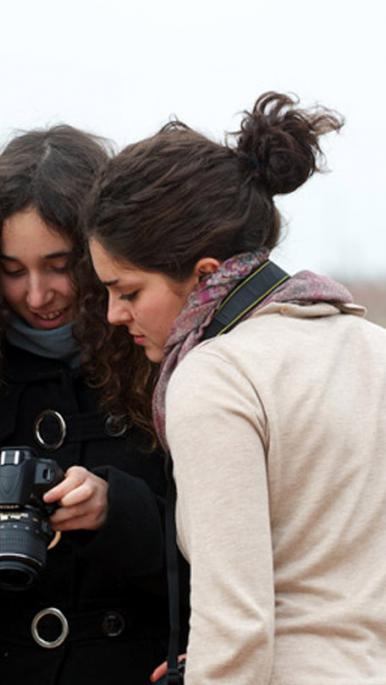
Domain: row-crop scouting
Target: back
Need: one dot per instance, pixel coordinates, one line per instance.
(283, 458)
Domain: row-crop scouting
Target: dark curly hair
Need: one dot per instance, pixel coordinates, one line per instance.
(111, 361)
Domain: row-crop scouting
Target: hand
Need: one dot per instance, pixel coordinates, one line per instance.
(161, 670)
(83, 501)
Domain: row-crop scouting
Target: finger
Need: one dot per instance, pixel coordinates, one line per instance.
(159, 672)
(86, 522)
(80, 523)
(95, 508)
(92, 509)
(79, 494)
(64, 514)
(74, 476)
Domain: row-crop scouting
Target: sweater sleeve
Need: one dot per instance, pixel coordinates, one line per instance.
(132, 536)
(217, 433)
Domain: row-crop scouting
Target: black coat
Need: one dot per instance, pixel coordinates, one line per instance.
(110, 583)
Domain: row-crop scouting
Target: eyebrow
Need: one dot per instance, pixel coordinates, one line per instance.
(51, 255)
(107, 284)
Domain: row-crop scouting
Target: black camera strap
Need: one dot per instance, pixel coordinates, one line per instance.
(245, 296)
(173, 674)
(252, 291)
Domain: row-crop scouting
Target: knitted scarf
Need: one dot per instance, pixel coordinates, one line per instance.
(303, 288)
(57, 343)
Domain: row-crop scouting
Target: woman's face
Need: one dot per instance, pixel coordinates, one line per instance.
(146, 302)
(34, 276)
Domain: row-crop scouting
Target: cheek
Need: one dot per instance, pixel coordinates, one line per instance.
(67, 288)
(13, 292)
(164, 316)
(155, 315)
(150, 317)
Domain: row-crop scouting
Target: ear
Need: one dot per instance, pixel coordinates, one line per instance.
(206, 266)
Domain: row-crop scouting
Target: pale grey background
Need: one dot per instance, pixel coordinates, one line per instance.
(122, 67)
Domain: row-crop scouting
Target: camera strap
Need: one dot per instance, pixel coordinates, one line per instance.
(245, 296)
(252, 291)
(173, 676)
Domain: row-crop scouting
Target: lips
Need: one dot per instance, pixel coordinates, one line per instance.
(139, 339)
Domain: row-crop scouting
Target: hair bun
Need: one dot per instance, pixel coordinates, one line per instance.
(278, 143)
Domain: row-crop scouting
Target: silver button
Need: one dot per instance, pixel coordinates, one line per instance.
(60, 425)
(63, 623)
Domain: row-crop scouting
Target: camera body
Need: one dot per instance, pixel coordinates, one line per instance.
(25, 531)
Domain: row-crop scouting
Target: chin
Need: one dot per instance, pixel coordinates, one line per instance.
(154, 355)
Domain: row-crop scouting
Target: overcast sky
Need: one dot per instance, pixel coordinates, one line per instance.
(120, 68)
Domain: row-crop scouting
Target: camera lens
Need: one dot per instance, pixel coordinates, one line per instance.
(25, 531)
(23, 547)
(14, 576)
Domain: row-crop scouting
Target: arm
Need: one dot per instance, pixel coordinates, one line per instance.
(109, 511)
(216, 429)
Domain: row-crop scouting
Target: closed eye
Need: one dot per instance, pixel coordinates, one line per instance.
(57, 262)
(129, 296)
(14, 274)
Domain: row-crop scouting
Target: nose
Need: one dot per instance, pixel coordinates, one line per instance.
(38, 294)
(118, 312)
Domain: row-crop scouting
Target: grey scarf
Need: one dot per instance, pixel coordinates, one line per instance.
(59, 343)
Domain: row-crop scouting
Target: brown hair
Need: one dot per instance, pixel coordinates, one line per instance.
(167, 201)
(112, 362)
(50, 170)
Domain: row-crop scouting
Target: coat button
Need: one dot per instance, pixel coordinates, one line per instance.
(50, 429)
(113, 624)
(116, 426)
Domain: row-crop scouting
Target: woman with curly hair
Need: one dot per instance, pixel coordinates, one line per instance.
(273, 413)
(98, 609)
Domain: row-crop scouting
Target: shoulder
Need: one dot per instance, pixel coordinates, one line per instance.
(267, 351)
(210, 381)
(202, 376)
(273, 331)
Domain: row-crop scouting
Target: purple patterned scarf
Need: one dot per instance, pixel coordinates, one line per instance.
(303, 288)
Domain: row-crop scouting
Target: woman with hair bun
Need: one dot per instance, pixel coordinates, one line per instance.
(273, 413)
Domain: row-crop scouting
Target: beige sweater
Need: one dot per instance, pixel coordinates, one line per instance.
(278, 435)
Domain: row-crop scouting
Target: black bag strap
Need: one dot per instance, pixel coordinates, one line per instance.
(247, 295)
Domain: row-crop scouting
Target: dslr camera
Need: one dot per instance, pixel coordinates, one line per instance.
(25, 531)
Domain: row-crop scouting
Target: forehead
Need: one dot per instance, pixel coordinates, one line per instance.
(25, 234)
(109, 268)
